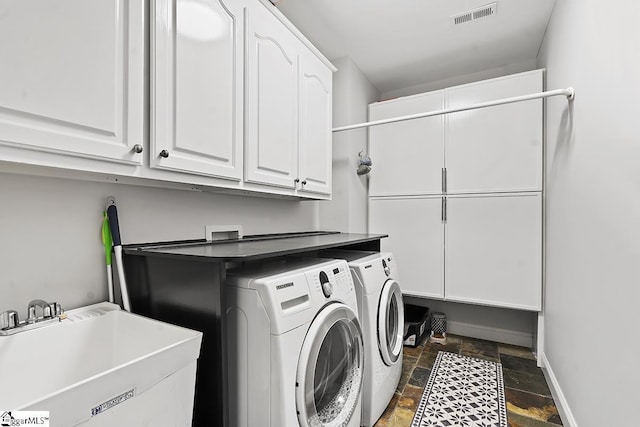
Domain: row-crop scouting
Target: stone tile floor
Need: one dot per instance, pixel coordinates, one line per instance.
(529, 401)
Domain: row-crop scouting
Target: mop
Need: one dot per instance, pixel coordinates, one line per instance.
(112, 213)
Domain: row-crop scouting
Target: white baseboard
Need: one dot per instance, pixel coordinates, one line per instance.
(558, 396)
(506, 336)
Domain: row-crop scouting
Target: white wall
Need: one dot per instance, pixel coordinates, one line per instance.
(593, 210)
(352, 94)
(50, 231)
(506, 69)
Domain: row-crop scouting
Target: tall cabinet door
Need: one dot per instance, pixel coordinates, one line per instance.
(407, 156)
(315, 125)
(272, 113)
(197, 86)
(495, 149)
(493, 250)
(72, 78)
(416, 238)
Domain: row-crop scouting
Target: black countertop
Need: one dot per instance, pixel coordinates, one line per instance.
(252, 248)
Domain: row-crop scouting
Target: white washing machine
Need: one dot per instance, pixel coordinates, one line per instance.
(381, 312)
(295, 350)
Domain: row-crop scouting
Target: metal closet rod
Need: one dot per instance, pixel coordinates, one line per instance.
(568, 92)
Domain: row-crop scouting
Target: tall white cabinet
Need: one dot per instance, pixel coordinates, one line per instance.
(461, 194)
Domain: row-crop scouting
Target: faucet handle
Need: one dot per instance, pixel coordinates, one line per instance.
(9, 319)
(32, 314)
(56, 309)
(49, 310)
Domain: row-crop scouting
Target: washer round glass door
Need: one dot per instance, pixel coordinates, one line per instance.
(330, 368)
(390, 322)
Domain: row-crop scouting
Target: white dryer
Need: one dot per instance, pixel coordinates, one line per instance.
(381, 312)
(295, 350)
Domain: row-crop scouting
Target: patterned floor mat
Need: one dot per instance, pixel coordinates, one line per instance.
(462, 391)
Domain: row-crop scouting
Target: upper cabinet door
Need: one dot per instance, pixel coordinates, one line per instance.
(197, 86)
(71, 79)
(495, 149)
(315, 125)
(272, 102)
(407, 156)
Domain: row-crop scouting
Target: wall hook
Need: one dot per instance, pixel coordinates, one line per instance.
(364, 164)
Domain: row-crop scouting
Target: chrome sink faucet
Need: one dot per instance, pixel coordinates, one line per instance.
(11, 324)
(48, 310)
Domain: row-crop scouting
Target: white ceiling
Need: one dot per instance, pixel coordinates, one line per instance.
(403, 43)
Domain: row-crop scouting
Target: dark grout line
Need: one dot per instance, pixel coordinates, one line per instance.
(548, 396)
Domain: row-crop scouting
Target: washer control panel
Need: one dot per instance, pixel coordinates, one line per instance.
(332, 280)
(343, 277)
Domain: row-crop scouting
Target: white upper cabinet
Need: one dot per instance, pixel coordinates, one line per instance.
(407, 156)
(272, 102)
(495, 149)
(238, 98)
(315, 126)
(71, 79)
(197, 86)
(288, 113)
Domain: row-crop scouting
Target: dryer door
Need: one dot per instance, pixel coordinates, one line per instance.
(390, 322)
(330, 368)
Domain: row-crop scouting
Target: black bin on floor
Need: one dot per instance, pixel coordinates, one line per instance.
(416, 324)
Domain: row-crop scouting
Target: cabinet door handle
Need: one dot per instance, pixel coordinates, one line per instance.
(137, 148)
(295, 182)
(304, 182)
(443, 210)
(164, 154)
(444, 180)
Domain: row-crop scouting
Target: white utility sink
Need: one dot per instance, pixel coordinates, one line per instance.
(79, 368)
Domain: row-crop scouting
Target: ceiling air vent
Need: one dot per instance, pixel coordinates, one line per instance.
(471, 15)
